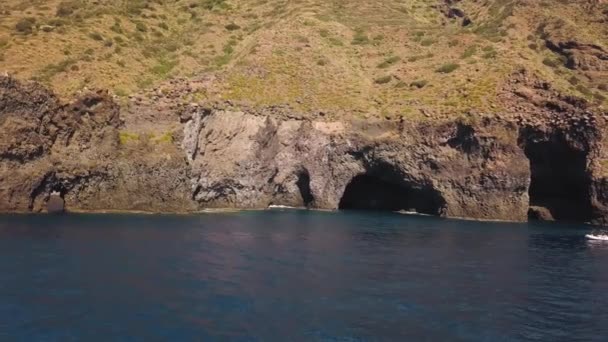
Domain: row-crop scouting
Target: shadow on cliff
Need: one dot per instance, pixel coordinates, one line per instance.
(560, 182)
(303, 184)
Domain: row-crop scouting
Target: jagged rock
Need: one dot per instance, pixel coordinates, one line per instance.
(540, 214)
(588, 57)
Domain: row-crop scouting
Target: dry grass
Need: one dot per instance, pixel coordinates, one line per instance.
(378, 57)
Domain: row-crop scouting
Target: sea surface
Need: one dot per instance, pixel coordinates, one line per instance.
(287, 275)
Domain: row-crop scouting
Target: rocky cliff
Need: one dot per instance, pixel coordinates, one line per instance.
(545, 157)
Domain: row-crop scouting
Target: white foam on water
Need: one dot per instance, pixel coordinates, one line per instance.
(597, 237)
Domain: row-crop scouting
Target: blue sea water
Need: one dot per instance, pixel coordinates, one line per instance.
(298, 276)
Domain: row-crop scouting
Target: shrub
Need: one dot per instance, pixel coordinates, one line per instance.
(228, 49)
(116, 28)
(66, 8)
(427, 42)
(419, 57)
(469, 52)
(573, 80)
(25, 25)
(550, 62)
(164, 67)
(419, 84)
(141, 27)
(447, 68)
(49, 71)
(383, 79)
(96, 36)
(126, 137)
(360, 38)
(232, 27)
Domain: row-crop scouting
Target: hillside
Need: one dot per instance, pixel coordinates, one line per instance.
(372, 58)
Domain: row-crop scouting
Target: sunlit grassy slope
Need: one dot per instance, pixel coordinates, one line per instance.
(355, 57)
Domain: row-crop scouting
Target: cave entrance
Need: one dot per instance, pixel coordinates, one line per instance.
(559, 181)
(380, 190)
(303, 184)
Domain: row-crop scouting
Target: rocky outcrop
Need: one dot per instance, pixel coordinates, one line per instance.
(447, 7)
(228, 156)
(244, 160)
(590, 60)
(74, 150)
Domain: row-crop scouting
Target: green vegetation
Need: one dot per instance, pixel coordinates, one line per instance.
(126, 137)
(25, 26)
(47, 73)
(380, 56)
(427, 42)
(164, 67)
(232, 27)
(96, 36)
(360, 38)
(469, 52)
(550, 62)
(383, 79)
(447, 68)
(66, 8)
(165, 138)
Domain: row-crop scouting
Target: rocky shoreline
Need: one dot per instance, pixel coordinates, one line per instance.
(542, 158)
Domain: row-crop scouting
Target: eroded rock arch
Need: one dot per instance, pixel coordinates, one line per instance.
(383, 187)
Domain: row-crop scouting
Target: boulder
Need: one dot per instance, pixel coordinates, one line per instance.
(536, 213)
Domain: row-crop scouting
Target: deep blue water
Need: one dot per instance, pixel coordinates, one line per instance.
(298, 276)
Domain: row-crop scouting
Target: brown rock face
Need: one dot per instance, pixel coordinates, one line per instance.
(47, 145)
(244, 160)
(488, 168)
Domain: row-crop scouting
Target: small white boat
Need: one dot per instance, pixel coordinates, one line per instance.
(601, 237)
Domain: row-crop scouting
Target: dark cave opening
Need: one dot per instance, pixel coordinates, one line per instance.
(372, 191)
(559, 180)
(303, 184)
